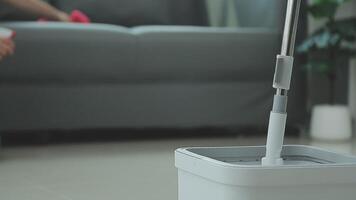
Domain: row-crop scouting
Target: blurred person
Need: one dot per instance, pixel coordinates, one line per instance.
(7, 47)
(39, 8)
(36, 7)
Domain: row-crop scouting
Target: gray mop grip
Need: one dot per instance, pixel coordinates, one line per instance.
(283, 73)
(280, 104)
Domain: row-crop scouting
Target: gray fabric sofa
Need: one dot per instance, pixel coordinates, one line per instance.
(69, 76)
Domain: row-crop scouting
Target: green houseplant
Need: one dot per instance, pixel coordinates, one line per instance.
(333, 41)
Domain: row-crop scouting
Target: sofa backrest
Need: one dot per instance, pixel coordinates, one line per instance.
(140, 12)
(250, 13)
(126, 12)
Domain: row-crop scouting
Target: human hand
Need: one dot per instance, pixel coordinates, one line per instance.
(63, 17)
(7, 47)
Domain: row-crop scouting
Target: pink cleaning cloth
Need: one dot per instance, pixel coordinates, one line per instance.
(76, 16)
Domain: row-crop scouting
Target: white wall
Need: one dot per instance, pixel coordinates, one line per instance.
(352, 89)
(347, 10)
(352, 97)
(350, 10)
(216, 9)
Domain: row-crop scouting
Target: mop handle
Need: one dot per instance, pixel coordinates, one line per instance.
(281, 82)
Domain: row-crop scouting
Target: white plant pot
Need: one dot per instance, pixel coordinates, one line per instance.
(331, 122)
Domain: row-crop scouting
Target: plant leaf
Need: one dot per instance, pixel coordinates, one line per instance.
(337, 35)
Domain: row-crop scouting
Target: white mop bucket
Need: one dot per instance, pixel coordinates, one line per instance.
(236, 173)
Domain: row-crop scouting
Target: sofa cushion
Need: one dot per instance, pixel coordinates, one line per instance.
(194, 54)
(96, 53)
(69, 53)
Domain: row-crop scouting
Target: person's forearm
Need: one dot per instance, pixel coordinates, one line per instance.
(39, 8)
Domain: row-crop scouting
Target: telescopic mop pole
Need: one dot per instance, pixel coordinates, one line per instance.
(281, 82)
